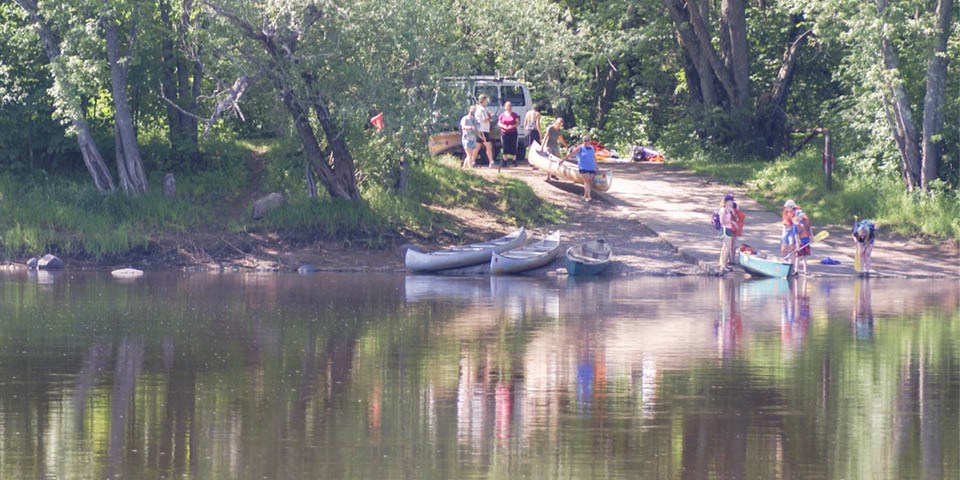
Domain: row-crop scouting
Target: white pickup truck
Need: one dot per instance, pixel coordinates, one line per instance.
(465, 91)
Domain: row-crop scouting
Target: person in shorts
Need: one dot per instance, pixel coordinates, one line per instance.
(788, 237)
(469, 128)
(587, 164)
(484, 118)
(531, 125)
(804, 233)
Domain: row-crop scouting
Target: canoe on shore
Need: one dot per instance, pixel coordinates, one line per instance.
(589, 258)
(566, 170)
(527, 257)
(765, 267)
(444, 142)
(462, 256)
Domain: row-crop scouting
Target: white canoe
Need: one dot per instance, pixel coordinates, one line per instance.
(589, 258)
(464, 256)
(527, 257)
(566, 170)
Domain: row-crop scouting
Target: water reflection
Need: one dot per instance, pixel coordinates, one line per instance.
(209, 376)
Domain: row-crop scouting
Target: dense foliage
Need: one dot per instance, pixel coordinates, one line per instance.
(748, 79)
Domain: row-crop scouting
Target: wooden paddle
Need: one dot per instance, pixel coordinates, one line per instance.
(856, 255)
(816, 238)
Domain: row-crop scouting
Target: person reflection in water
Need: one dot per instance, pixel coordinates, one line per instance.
(862, 310)
(729, 327)
(795, 317)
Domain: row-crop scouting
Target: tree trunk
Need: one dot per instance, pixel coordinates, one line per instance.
(181, 85)
(899, 112)
(772, 105)
(96, 166)
(734, 35)
(129, 164)
(936, 96)
(607, 78)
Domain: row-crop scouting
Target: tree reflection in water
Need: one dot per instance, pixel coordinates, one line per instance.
(243, 376)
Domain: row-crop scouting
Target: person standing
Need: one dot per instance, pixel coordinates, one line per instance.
(469, 129)
(508, 121)
(804, 235)
(739, 219)
(726, 233)
(531, 125)
(587, 164)
(484, 118)
(788, 238)
(552, 140)
(864, 233)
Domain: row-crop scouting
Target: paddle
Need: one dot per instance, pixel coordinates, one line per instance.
(856, 255)
(816, 238)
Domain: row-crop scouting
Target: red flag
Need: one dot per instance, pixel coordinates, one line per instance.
(377, 121)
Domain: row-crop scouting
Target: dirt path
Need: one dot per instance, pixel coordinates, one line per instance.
(657, 217)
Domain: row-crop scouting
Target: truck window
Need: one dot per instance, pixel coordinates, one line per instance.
(514, 95)
(491, 91)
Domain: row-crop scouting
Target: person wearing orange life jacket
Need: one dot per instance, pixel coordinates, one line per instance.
(739, 219)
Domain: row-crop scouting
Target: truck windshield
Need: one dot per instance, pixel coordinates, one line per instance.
(514, 95)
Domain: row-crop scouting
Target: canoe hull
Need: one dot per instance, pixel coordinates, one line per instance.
(464, 256)
(590, 258)
(764, 267)
(526, 258)
(444, 142)
(602, 181)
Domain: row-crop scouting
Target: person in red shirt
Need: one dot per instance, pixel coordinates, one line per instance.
(508, 121)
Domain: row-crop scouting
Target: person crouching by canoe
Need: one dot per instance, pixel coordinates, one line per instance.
(788, 239)
(469, 128)
(804, 233)
(864, 233)
(587, 163)
(727, 222)
(508, 121)
(553, 139)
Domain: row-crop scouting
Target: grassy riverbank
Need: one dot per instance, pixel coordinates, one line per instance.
(879, 196)
(67, 216)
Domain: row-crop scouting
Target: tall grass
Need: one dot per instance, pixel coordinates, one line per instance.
(875, 195)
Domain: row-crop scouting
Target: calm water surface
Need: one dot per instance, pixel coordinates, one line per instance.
(385, 377)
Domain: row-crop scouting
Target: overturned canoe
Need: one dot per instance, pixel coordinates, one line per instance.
(444, 142)
(765, 267)
(589, 258)
(463, 256)
(527, 257)
(566, 170)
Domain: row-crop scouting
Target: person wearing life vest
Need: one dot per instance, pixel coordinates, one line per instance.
(587, 163)
(864, 233)
(739, 218)
(788, 239)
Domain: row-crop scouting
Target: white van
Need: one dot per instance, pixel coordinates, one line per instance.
(499, 89)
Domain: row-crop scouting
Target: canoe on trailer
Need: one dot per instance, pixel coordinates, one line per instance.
(766, 267)
(527, 257)
(589, 258)
(463, 256)
(444, 142)
(566, 170)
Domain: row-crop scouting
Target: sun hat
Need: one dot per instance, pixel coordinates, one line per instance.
(728, 197)
(790, 204)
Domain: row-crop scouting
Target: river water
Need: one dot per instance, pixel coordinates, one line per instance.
(347, 376)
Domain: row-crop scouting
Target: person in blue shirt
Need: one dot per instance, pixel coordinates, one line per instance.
(587, 163)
